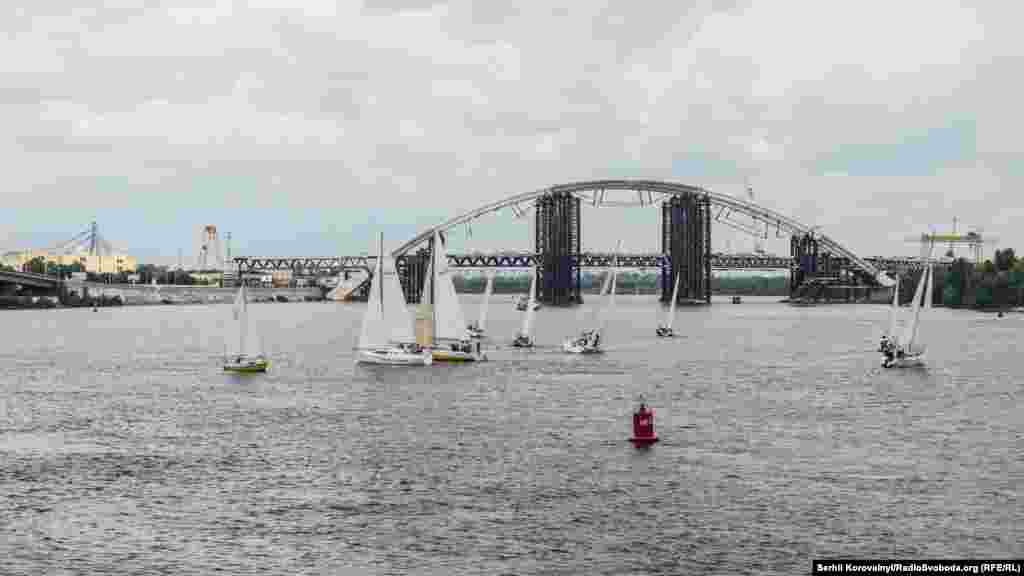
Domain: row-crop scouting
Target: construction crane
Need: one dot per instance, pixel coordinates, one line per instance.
(758, 243)
(973, 239)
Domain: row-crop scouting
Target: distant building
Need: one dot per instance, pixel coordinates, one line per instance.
(106, 264)
(281, 278)
(208, 278)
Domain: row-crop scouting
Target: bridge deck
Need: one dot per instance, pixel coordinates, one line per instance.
(507, 260)
(28, 279)
(515, 260)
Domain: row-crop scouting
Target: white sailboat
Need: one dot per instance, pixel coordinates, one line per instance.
(890, 338)
(449, 341)
(476, 330)
(907, 350)
(665, 330)
(589, 340)
(387, 336)
(524, 339)
(246, 359)
(521, 302)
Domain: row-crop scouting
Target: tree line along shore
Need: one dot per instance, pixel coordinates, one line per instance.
(997, 283)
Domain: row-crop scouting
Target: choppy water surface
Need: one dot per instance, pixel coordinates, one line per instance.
(124, 449)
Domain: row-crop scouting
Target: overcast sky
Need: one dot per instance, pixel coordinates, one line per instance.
(304, 127)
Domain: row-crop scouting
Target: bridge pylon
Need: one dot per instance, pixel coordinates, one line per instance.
(557, 242)
(412, 272)
(686, 239)
(817, 274)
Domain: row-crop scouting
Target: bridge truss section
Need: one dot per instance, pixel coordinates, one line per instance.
(649, 192)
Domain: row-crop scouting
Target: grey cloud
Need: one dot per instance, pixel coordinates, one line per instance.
(423, 105)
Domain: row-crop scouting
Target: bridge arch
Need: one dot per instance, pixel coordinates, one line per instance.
(650, 192)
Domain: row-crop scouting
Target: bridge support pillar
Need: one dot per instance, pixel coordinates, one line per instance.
(686, 239)
(808, 263)
(412, 270)
(557, 219)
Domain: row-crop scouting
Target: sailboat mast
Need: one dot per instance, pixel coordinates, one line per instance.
(894, 308)
(487, 299)
(380, 272)
(433, 285)
(918, 305)
(672, 306)
(530, 304)
(242, 321)
(611, 289)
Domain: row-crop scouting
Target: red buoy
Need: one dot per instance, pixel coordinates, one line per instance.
(643, 426)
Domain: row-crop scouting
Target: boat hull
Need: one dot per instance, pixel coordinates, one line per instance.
(571, 347)
(394, 357)
(905, 362)
(247, 367)
(453, 356)
(522, 342)
(521, 305)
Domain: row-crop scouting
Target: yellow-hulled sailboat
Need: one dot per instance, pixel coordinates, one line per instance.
(244, 360)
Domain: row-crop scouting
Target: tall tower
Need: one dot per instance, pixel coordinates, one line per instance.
(94, 239)
(209, 249)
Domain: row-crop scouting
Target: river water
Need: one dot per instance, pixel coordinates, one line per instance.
(125, 450)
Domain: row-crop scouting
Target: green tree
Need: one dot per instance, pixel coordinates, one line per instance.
(37, 265)
(951, 295)
(1005, 259)
(147, 272)
(983, 296)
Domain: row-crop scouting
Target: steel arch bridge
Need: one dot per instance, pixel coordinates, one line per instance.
(652, 192)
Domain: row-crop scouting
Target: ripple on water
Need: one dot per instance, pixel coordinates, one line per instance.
(782, 440)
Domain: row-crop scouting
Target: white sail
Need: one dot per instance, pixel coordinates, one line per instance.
(672, 307)
(240, 311)
(611, 300)
(396, 314)
(610, 304)
(894, 310)
(487, 300)
(919, 292)
(594, 317)
(449, 323)
(528, 316)
(427, 294)
(386, 319)
(912, 344)
(910, 328)
(372, 332)
(929, 289)
(922, 291)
